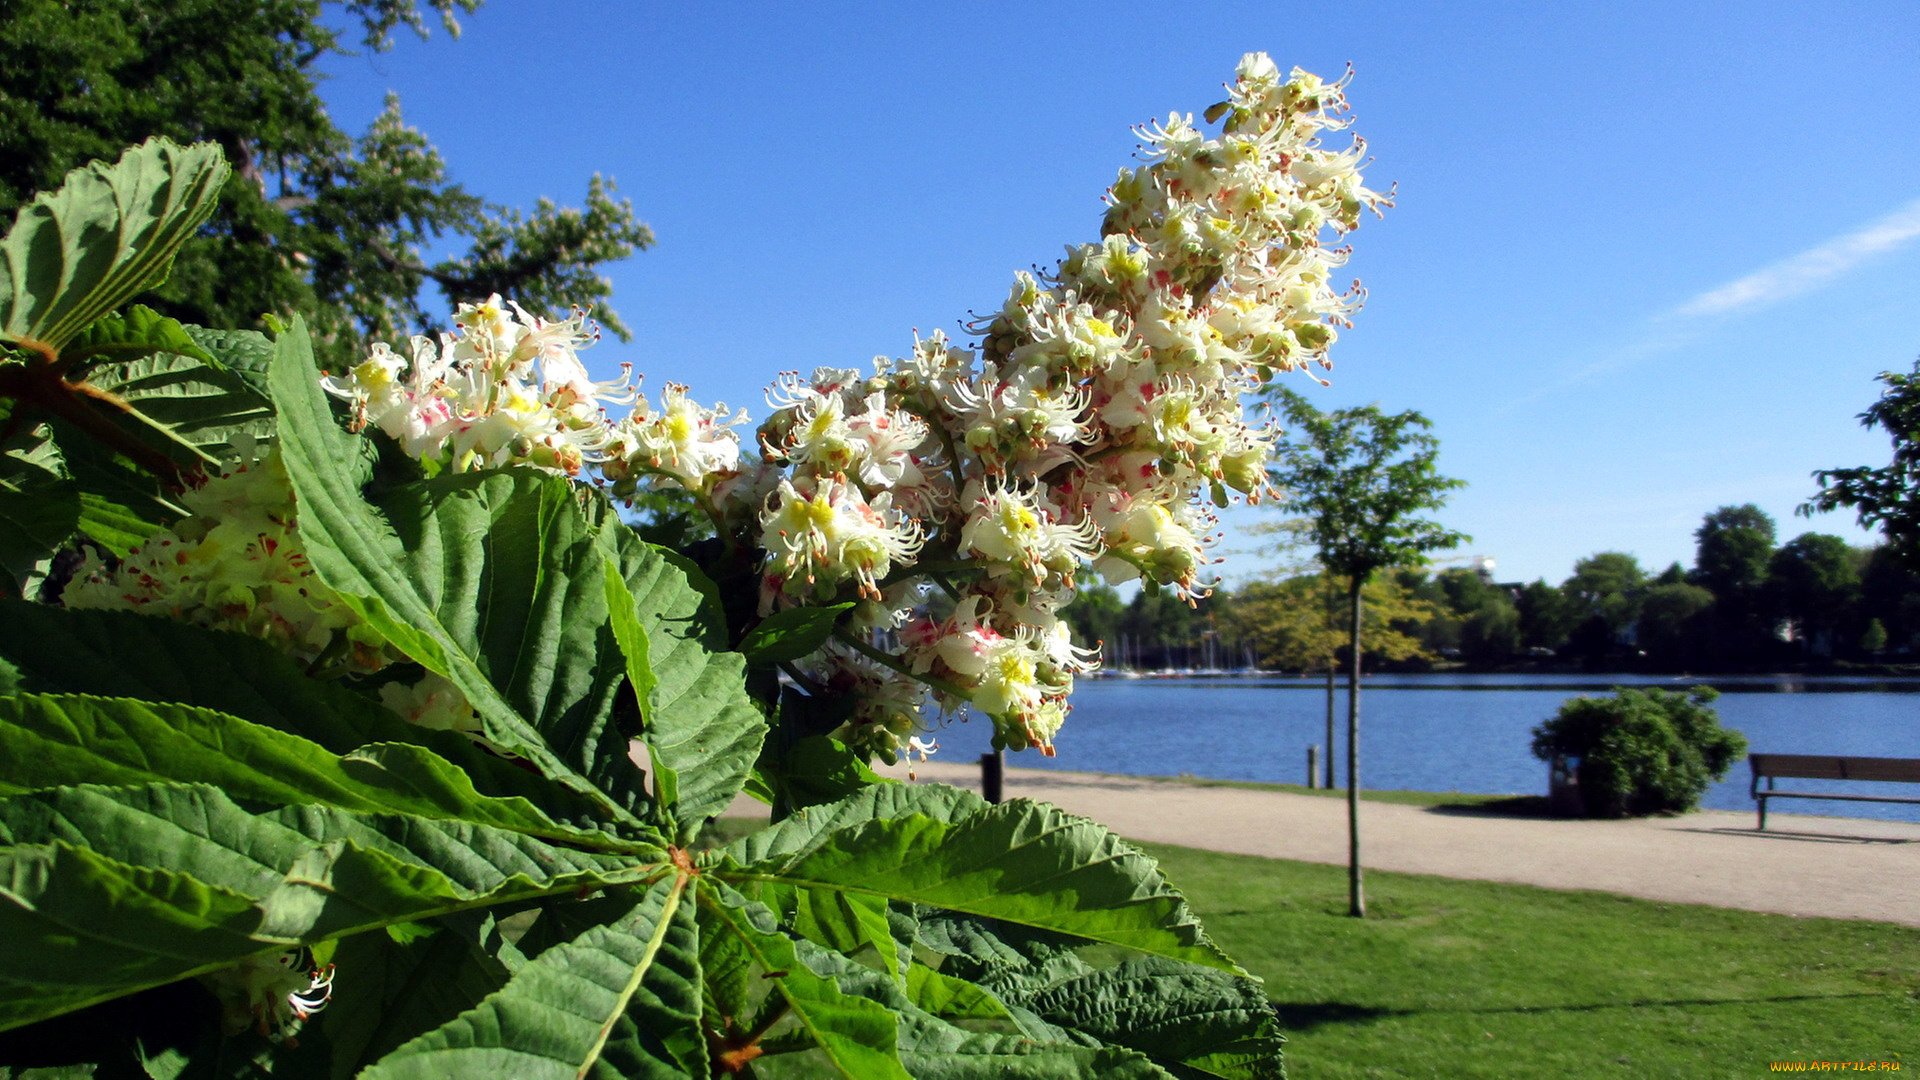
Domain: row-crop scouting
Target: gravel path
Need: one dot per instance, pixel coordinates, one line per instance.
(1848, 868)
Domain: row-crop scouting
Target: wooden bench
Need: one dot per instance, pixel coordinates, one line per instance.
(1884, 770)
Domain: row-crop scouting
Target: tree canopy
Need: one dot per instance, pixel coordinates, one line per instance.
(1608, 587)
(1734, 544)
(1814, 582)
(312, 220)
(1362, 478)
(1888, 497)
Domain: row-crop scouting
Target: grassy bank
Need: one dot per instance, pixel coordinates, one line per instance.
(1473, 979)
(1523, 805)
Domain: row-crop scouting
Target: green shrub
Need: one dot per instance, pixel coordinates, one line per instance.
(1642, 751)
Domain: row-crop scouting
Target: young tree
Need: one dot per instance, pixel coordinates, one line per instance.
(1363, 477)
(1285, 624)
(1887, 497)
(1293, 624)
(311, 220)
(1874, 641)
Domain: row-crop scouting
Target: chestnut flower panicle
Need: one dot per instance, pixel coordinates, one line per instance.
(1100, 415)
(1097, 422)
(236, 563)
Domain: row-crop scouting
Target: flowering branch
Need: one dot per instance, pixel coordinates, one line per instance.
(1098, 417)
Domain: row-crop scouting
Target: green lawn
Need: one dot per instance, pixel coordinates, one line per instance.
(1472, 979)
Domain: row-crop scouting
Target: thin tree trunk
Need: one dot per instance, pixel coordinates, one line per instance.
(1356, 891)
(1332, 665)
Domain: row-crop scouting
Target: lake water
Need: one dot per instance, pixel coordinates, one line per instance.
(1464, 733)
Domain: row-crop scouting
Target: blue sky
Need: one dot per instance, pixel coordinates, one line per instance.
(1645, 263)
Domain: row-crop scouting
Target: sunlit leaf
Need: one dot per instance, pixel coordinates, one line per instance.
(108, 234)
(791, 634)
(1024, 862)
(700, 728)
(856, 1037)
(52, 740)
(469, 575)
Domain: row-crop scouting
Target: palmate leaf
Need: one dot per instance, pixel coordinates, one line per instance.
(791, 634)
(39, 505)
(248, 354)
(105, 891)
(505, 552)
(817, 827)
(107, 235)
(133, 333)
(49, 741)
(513, 574)
(115, 526)
(121, 654)
(1027, 863)
(122, 497)
(928, 1045)
(620, 1001)
(1189, 1020)
(500, 580)
(950, 998)
(932, 1050)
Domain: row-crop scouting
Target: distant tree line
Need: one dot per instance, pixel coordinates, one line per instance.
(1748, 602)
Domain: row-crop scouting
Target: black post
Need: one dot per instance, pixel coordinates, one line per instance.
(993, 769)
(1313, 766)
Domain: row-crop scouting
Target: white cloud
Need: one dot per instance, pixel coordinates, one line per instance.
(1669, 332)
(1808, 270)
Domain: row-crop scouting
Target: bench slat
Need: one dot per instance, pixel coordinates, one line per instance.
(1765, 794)
(1822, 767)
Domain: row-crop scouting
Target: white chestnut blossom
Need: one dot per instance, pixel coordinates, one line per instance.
(1024, 531)
(888, 720)
(507, 388)
(824, 531)
(1104, 407)
(685, 443)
